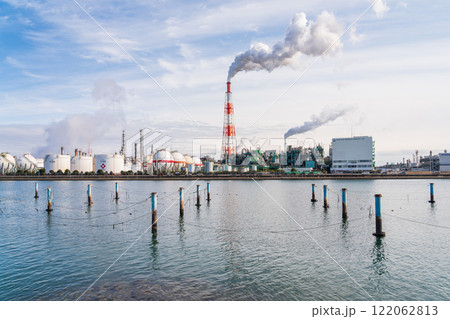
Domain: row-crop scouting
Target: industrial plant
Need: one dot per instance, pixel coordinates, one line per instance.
(146, 153)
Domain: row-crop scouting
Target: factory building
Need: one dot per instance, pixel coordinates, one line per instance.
(444, 162)
(353, 154)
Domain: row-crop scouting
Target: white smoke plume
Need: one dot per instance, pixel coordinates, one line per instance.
(324, 117)
(379, 7)
(81, 130)
(312, 38)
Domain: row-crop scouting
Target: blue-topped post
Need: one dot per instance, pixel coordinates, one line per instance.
(431, 193)
(49, 199)
(198, 196)
(117, 192)
(208, 196)
(181, 201)
(344, 203)
(378, 223)
(89, 194)
(313, 199)
(154, 211)
(36, 190)
(325, 200)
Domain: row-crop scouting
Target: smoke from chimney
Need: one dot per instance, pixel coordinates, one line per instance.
(318, 120)
(312, 38)
(83, 129)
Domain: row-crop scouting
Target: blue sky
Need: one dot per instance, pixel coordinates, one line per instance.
(61, 72)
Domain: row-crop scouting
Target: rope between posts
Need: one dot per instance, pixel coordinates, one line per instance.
(416, 221)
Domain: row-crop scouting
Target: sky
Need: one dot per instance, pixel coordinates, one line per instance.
(76, 73)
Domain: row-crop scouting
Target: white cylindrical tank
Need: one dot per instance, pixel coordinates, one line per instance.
(109, 163)
(7, 163)
(209, 166)
(178, 161)
(197, 163)
(147, 166)
(254, 168)
(163, 161)
(57, 162)
(27, 162)
(82, 163)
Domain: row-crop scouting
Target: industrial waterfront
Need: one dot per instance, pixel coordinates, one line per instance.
(254, 240)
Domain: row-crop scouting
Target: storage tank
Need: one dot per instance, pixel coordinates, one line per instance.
(7, 163)
(179, 161)
(163, 161)
(197, 163)
(27, 162)
(56, 162)
(82, 163)
(148, 164)
(209, 166)
(109, 163)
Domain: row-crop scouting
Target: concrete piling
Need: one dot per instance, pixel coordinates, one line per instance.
(117, 192)
(154, 211)
(198, 196)
(431, 193)
(325, 199)
(313, 199)
(378, 222)
(36, 190)
(49, 199)
(208, 196)
(89, 194)
(344, 203)
(181, 201)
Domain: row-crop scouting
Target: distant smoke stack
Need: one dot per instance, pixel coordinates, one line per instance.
(62, 150)
(76, 152)
(141, 146)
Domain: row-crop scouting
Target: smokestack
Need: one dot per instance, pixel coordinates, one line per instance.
(135, 152)
(62, 150)
(76, 152)
(141, 145)
(123, 150)
(228, 87)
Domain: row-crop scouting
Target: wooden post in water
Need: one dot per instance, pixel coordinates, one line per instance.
(49, 199)
(208, 196)
(154, 211)
(325, 200)
(89, 194)
(181, 201)
(344, 203)
(313, 199)
(378, 223)
(198, 196)
(431, 193)
(36, 190)
(117, 192)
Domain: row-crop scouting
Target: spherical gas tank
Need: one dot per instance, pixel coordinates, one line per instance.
(163, 161)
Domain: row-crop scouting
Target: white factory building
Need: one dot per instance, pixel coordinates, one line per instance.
(444, 162)
(353, 154)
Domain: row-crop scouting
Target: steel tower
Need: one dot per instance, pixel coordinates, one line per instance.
(229, 131)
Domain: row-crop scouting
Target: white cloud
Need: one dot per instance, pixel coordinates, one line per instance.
(379, 7)
(354, 37)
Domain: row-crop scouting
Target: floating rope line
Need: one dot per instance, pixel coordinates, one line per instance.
(417, 222)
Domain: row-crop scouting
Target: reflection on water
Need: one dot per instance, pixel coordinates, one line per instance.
(380, 263)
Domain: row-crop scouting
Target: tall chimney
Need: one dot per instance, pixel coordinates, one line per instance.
(62, 150)
(141, 145)
(76, 152)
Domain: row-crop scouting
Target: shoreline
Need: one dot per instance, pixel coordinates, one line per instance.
(220, 177)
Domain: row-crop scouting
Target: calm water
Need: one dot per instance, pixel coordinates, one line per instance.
(240, 246)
